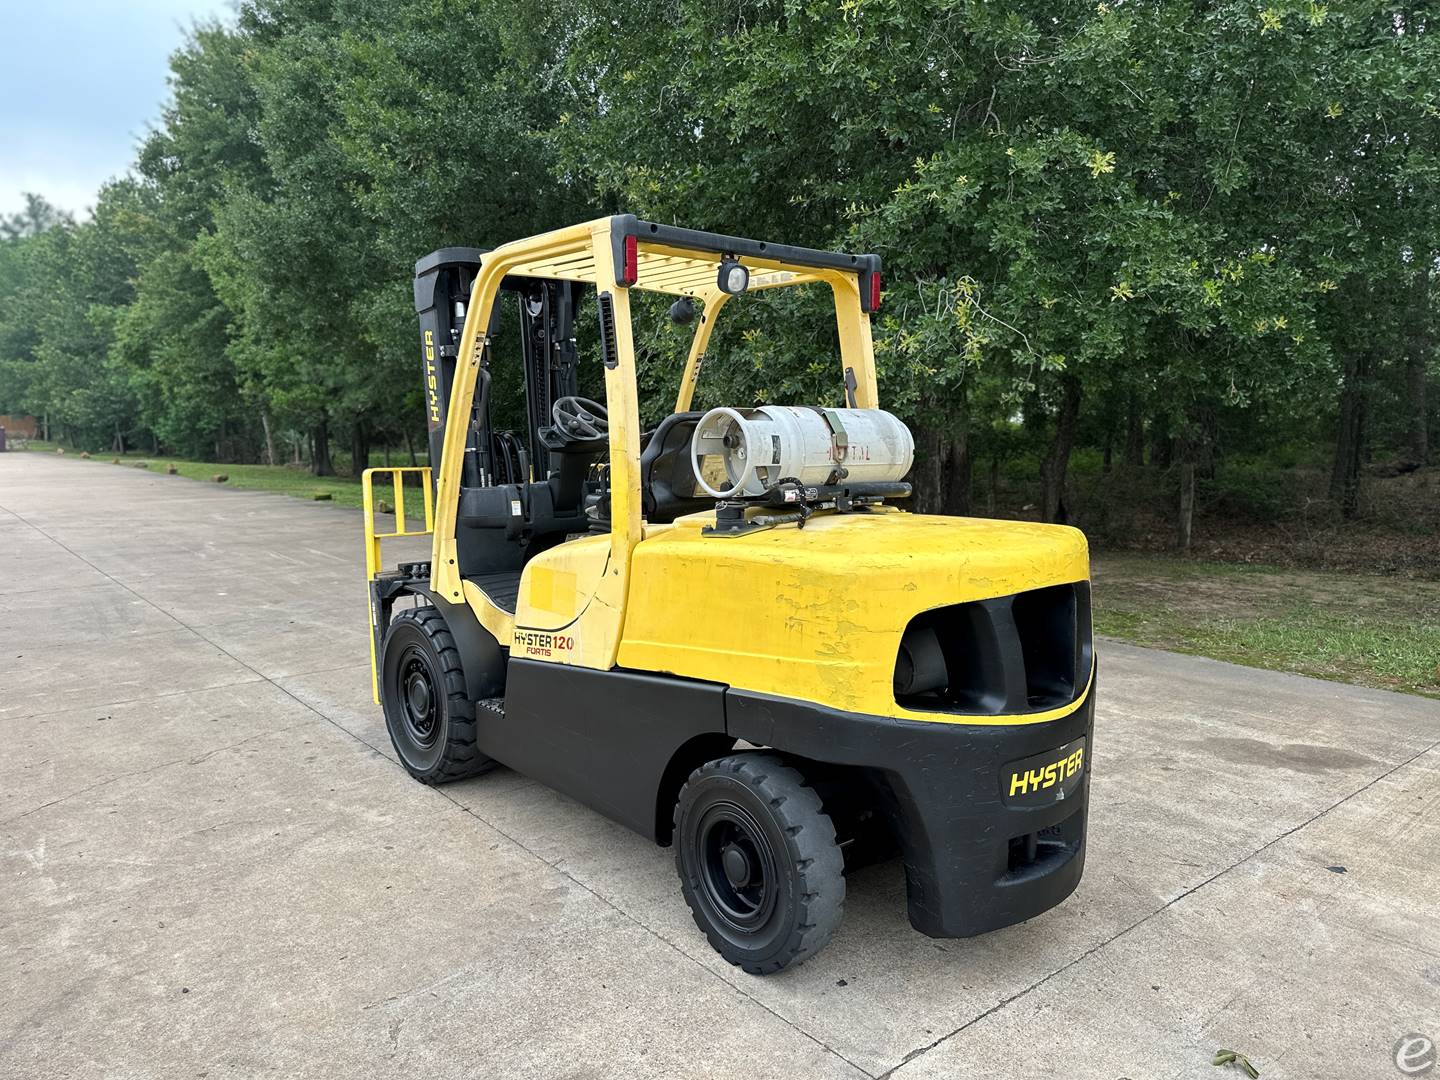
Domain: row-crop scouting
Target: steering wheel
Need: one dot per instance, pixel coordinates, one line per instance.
(579, 418)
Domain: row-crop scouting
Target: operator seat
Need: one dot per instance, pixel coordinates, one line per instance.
(667, 479)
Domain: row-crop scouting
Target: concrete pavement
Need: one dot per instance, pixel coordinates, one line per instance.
(211, 865)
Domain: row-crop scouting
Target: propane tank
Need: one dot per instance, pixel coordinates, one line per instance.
(746, 452)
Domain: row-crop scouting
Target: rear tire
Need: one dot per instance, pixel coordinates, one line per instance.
(758, 862)
(428, 713)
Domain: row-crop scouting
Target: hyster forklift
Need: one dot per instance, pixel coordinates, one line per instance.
(721, 631)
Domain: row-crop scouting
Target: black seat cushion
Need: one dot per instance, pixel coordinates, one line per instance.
(667, 479)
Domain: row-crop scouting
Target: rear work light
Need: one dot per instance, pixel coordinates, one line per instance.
(632, 262)
(732, 278)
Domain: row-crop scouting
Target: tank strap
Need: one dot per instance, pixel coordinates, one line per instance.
(837, 433)
(839, 441)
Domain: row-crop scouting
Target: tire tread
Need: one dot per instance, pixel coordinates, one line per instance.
(461, 758)
(810, 839)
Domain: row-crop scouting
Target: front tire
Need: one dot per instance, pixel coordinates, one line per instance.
(428, 713)
(758, 862)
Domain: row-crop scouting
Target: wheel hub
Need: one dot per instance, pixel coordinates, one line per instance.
(418, 693)
(419, 701)
(737, 867)
(736, 864)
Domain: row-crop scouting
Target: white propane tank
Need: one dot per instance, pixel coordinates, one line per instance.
(738, 452)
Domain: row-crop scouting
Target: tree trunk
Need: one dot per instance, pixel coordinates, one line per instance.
(45, 426)
(941, 478)
(1134, 435)
(1162, 449)
(269, 437)
(359, 449)
(1350, 439)
(1418, 443)
(1057, 460)
(927, 480)
(1187, 501)
(410, 448)
(994, 493)
(1417, 363)
(958, 472)
(320, 450)
(958, 466)
(1203, 439)
(943, 467)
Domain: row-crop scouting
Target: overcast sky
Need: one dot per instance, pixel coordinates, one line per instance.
(81, 81)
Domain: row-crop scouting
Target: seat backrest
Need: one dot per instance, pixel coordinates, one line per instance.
(667, 479)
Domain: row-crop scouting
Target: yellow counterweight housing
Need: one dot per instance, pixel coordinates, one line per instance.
(818, 613)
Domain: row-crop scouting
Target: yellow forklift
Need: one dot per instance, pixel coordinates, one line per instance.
(721, 631)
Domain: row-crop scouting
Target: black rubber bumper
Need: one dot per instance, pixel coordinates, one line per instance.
(977, 857)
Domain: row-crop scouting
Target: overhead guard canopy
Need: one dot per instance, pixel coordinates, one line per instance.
(685, 262)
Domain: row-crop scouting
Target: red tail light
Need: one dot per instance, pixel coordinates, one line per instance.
(874, 290)
(632, 262)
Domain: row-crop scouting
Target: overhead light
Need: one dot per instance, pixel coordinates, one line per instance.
(733, 278)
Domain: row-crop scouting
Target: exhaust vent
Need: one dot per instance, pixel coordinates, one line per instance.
(1012, 654)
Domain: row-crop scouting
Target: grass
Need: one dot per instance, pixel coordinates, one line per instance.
(1370, 629)
(287, 480)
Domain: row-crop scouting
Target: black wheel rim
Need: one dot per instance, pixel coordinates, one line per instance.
(419, 702)
(737, 867)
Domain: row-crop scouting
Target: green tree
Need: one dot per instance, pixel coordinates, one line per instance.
(1076, 202)
(177, 337)
(1197, 229)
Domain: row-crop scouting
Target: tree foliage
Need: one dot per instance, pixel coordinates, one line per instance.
(1174, 231)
